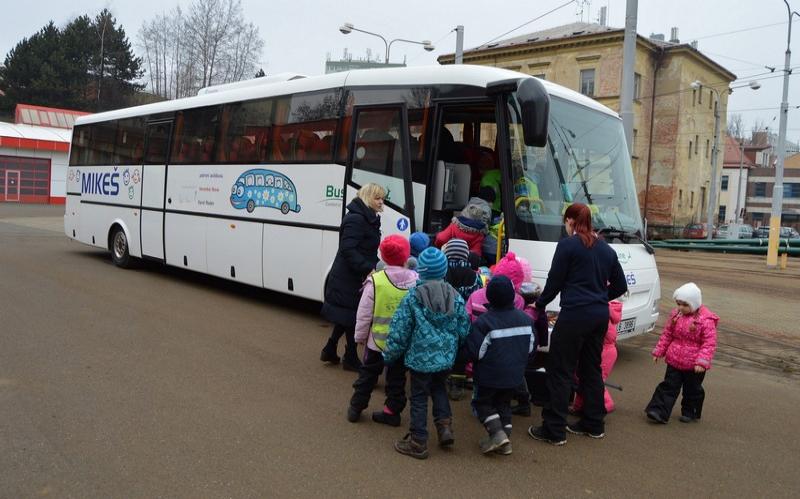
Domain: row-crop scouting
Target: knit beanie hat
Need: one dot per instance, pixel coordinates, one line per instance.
(419, 241)
(431, 264)
(500, 292)
(510, 267)
(411, 263)
(690, 294)
(477, 209)
(456, 249)
(395, 250)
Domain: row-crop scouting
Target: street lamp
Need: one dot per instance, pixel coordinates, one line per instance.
(777, 189)
(348, 28)
(715, 153)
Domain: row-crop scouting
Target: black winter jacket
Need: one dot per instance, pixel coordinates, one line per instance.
(359, 238)
(499, 344)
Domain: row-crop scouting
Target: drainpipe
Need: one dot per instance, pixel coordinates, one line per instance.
(659, 60)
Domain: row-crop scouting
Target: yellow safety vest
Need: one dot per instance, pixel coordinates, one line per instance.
(387, 299)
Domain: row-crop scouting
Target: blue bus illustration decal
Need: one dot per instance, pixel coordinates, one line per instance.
(266, 188)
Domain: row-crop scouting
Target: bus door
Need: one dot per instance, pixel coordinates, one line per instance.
(379, 153)
(154, 178)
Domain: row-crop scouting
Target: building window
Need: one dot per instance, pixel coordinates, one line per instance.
(710, 98)
(703, 198)
(760, 189)
(637, 86)
(540, 76)
(791, 190)
(707, 144)
(691, 199)
(633, 145)
(722, 212)
(696, 141)
(690, 149)
(587, 82)
(724, 183)
(680, 197)
(700, 95)
(758, 218)
(694, 96)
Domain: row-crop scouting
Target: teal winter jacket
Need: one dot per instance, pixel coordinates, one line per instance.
(429, 326)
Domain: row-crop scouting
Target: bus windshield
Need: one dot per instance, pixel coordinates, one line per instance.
(585, 160)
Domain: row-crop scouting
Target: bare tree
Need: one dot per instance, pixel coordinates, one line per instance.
(207, 45)
(736, 126)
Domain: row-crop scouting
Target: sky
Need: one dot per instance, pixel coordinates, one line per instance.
(299, 34)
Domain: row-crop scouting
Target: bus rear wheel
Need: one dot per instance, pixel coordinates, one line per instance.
(120, 253)
(285, 208)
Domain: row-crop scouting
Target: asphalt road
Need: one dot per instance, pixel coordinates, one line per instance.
(157, 382)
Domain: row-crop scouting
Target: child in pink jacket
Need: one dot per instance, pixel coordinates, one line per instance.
(608, 357)
(508, 266)
(394, 250)
(688, 342)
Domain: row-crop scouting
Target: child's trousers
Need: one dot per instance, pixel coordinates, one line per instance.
(667, 393)
(424, 385)
(490, 401)
(394, 381)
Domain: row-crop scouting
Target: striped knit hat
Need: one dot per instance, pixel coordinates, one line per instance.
(456, 249)
(431, 264)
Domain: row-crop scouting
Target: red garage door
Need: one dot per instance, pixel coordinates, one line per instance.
(30, 185)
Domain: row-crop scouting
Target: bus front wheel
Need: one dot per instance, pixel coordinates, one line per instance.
(251, 205)
(120, 253)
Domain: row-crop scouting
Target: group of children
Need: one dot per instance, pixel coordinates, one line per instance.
(425, 307)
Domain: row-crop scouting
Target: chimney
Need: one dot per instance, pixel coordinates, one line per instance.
(659, 37)
(673, 35)
(603, 14)
(694, 44)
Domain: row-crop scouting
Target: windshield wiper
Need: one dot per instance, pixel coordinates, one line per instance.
(625, 236)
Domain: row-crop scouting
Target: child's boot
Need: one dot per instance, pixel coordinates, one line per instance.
(386, 417)
(444, 429)
(496, 437)
(410, 447)
(505, 449)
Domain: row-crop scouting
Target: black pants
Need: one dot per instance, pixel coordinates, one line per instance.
(667, 393)
(394, 381)
(491, 401)
(424, 386)
(575, 342)
(350, 348)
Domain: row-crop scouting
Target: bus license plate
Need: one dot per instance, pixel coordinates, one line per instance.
(626, 327)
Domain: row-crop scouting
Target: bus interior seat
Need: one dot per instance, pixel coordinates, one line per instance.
(450, 190)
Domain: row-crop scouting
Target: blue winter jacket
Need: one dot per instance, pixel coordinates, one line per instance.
(499, 345)
(429, 326)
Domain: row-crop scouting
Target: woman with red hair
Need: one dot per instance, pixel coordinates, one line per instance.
(586, 272)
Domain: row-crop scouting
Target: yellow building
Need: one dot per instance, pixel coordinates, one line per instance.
(671, 152)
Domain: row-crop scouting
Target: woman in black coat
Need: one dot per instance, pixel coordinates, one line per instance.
(359, 238)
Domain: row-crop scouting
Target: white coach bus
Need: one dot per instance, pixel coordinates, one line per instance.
(249, 182)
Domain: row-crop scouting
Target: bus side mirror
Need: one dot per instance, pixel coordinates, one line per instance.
(535, 103)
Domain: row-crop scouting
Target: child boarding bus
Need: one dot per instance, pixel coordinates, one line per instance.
(249, 181)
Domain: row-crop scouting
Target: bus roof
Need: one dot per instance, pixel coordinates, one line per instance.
(477, 76)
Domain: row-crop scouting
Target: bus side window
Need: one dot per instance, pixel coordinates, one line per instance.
(278, 183)
(260, 180)
(270, 181)
(249, 180)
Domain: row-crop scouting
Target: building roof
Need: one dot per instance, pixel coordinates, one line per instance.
(29, 114)
(577, 32)
(38, 138)
(733, 154)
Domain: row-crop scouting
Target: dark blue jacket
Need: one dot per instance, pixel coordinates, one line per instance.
(587, 278)
(359, 237)
(499, 344)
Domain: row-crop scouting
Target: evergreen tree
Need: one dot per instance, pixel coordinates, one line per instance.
(88, 65)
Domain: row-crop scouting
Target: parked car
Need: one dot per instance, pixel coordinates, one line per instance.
(786, 232)
(695, 231)
(745, 232)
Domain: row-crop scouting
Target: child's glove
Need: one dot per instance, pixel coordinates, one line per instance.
(540, 326)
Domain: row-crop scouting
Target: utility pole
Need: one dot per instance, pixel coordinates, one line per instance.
(777, 190)
(459, 44)
(712, 198)
(628, 65)
(739, 186)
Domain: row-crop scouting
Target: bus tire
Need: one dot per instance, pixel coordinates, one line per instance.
(120, 252)
(285, 208)
(251, 206)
